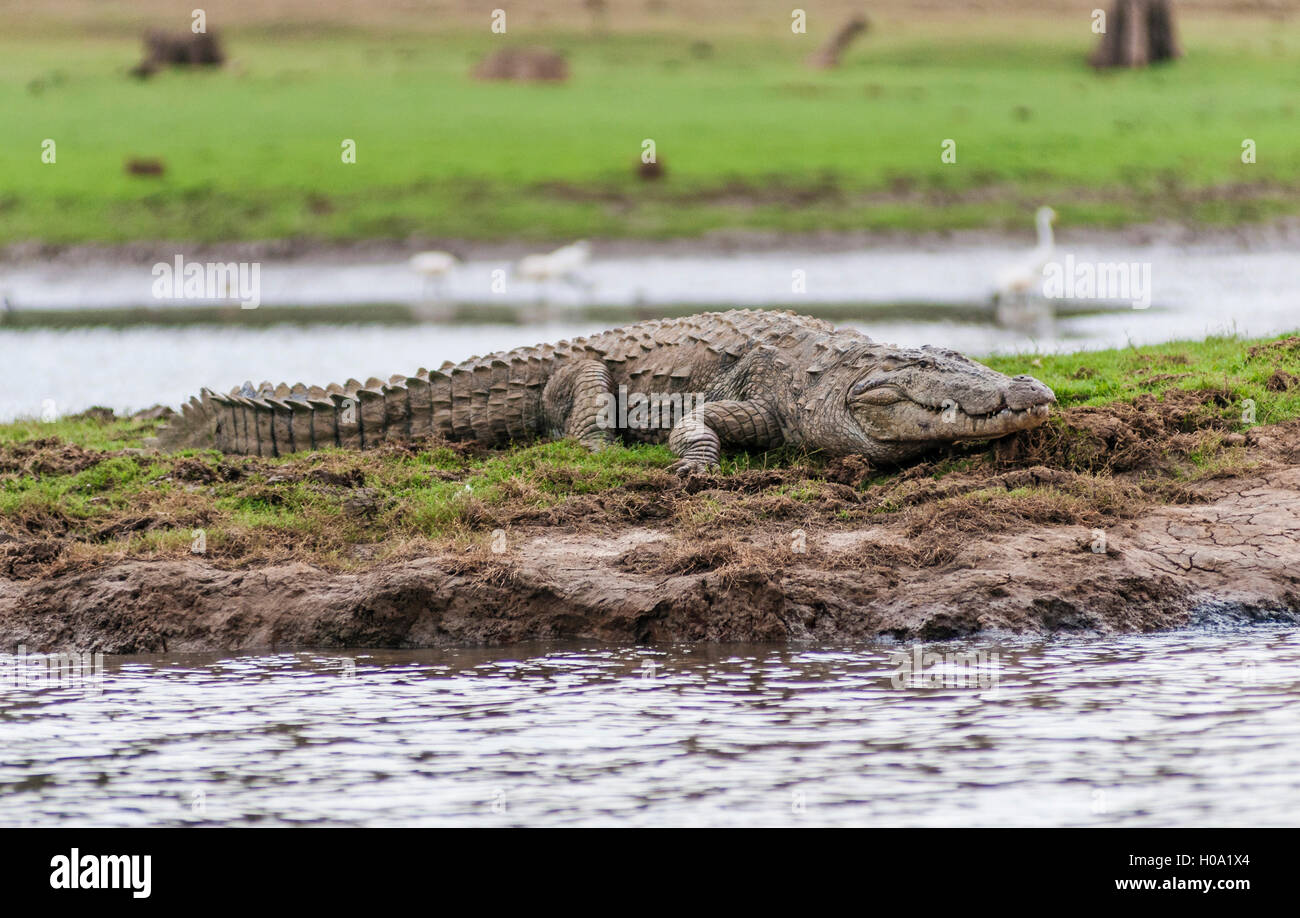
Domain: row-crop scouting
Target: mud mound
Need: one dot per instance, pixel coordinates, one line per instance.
(1282, 381)
(523, 65)
(650, 171)
(682, 557)
(178, 49)
(1274, 349)
(22, 559)
(1124, 436)
(150, 166)
(96, 413)
(194, 470)
(46, 457)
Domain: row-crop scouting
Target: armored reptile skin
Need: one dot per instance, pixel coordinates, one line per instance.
(747, 379)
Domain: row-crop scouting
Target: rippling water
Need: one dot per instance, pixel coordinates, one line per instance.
(1185, 728)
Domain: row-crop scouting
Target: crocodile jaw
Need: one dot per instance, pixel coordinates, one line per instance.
(911, 422)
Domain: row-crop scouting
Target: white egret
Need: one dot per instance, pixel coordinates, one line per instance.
(435, 268)
(1018, 283)
(564, 264)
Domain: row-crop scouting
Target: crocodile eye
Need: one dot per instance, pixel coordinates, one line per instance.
(880, 395)
(874, 392)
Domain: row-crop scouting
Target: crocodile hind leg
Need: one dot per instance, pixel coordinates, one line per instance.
(699, 436)
(577, 402)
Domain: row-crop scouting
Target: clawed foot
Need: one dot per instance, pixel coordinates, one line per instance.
(685, 468)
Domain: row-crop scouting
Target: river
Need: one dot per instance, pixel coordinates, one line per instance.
(1198, 727)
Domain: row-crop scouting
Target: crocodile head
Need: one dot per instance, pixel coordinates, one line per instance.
(896, 403)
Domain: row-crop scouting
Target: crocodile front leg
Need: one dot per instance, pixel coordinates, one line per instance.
(577, 402)
(699, 436)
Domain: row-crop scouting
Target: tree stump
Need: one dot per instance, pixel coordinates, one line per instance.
(1138, 32)
(178, 49)
(827, 57)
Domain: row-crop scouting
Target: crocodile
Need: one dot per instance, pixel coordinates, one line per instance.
(741, 379)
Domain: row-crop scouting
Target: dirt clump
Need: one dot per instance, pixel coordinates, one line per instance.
(1124, 436)
(849, 470)
(178, 49)
(194, 470)
(1281, 381)
(523, 65)
(46, 457)
(96, 413)
(150, 166)
(345, 478)
(650, 170)
(1273, 349)
(363, 503)
(23, 559)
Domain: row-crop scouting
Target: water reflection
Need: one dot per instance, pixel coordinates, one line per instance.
(1173, 729)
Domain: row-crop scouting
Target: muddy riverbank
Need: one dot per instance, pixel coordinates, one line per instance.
(1231, 553)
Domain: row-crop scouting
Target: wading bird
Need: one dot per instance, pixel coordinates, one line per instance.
(435, 268)
(1017, 296)
(564, 264)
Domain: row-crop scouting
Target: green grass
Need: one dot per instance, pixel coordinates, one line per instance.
(1223, 364)
(748, 136)
(89, 430)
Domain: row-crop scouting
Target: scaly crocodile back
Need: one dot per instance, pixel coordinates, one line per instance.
(494, 399)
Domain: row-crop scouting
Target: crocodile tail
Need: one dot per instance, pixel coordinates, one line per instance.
(195, 427)
(493, 400)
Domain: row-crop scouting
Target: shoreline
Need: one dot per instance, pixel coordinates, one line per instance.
(1229, 560)
(1227, 551)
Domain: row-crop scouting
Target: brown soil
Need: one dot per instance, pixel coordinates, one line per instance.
(1238, 551)
(1106, 529)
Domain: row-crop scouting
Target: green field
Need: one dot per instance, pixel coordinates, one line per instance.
(748, 136)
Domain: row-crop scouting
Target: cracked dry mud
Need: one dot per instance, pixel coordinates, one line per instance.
(1235, 555)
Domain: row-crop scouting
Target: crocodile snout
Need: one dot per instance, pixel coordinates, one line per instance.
(988, 394)
(1027, 392)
